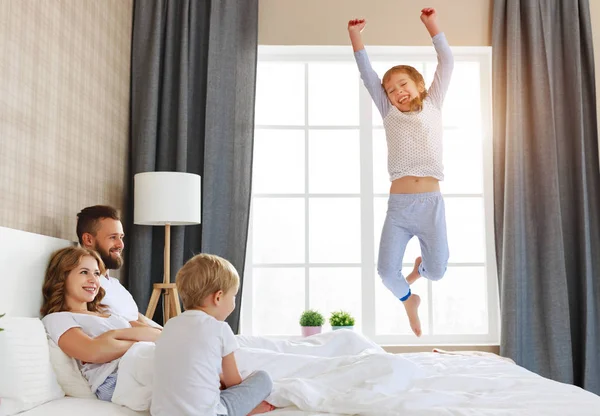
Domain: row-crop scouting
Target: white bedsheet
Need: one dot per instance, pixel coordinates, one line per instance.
(351, 384)
(473, 385)
(375, 383)
(451, 385)
(327, 344)
(340, 360)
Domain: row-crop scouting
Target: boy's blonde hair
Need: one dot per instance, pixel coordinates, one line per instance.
(415, 75)
(203, 275)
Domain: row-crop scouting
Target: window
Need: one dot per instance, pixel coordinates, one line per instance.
(320, 187)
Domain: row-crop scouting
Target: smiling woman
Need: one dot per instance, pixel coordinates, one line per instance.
(78, 322)
(72, 282)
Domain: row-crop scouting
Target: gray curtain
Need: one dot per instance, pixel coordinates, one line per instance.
(193, 76)
(547, 188)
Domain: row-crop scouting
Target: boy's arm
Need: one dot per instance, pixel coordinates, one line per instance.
(370, 78)
(231, 375)
(445, 66)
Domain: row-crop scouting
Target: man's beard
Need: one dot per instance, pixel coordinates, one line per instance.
(110, 262)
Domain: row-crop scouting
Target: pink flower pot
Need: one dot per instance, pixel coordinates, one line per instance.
(307, 331)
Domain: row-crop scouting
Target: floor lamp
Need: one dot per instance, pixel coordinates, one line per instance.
(166, 198)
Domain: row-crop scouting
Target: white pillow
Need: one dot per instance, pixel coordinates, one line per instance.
(27, 379)
(67, 373)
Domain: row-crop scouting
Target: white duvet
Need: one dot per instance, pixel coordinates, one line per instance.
(343, 373)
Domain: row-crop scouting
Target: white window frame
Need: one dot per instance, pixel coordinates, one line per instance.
(395, 55)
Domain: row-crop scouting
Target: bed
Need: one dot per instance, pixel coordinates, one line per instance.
(23, 258)
(445, 384)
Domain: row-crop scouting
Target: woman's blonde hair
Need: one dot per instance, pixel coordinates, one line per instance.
(417, 103)
(203, 275)
(61, 264)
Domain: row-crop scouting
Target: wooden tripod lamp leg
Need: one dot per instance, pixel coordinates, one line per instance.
(175, 306)
(153, 302)
(167, 272)
(171, 306)
(166, 306)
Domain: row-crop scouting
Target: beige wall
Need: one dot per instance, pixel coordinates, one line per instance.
(64, 110)
(389, 22)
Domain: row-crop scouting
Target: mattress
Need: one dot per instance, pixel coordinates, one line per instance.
(70, 406)
(458, 385)
(469, 385)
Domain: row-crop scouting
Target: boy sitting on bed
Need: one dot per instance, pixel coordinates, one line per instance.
(194, 356)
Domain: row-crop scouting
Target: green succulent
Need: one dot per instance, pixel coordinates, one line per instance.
(311, 318)
(341, 318)
(1, 329)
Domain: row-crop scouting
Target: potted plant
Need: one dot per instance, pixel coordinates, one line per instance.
(341, 320)
(1, 329)
(311, 322)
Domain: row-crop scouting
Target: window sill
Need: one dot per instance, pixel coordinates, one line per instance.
(398, 349)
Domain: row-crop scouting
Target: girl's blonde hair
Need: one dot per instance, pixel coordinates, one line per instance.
(417, 103)
(54, 290)
(203, 275)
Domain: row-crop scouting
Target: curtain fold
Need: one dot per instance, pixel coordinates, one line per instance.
(547, 188)
(193, 70)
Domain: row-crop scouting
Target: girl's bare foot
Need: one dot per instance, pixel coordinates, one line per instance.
(412, 310)
(263, 407)
(414, 275)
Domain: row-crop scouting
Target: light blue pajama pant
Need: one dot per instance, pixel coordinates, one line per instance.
(242, 399)
(409, 215)
(107, 388)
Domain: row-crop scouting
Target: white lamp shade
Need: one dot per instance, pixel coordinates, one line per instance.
(167, 198)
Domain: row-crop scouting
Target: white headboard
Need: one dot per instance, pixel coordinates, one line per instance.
(23, 260)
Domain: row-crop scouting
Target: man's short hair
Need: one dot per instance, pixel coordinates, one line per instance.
(88, 220)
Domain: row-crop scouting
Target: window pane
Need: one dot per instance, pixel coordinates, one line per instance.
(280, 290)
(334, 161)
(278, 165)
(280, 94)
(334, 233)
(390, 314)
(462, 106)
(334, 289)
(381, 68)
(429, 72)
(413, 250)
(314, 147)
(332, 94)
(278, 230)
(381, 177)
(463, 162)
(460, 302)
(466, 233)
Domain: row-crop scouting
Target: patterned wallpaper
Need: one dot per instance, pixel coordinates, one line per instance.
(64, 110)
